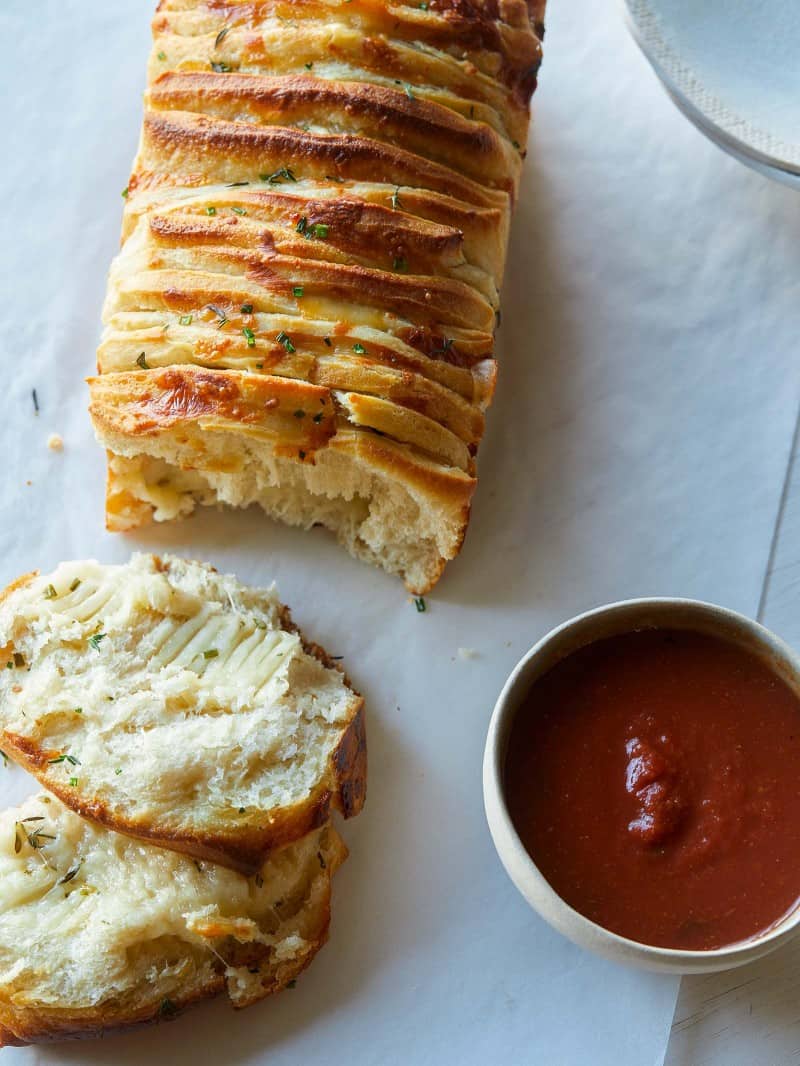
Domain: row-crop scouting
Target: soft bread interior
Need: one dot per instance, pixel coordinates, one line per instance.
(170, 701)
(98, 930)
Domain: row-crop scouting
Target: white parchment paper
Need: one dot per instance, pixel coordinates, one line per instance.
(637, 445)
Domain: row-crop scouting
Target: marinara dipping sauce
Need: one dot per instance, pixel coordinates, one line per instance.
(654, 779)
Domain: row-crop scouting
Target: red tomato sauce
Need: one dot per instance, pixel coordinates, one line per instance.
(654, 778)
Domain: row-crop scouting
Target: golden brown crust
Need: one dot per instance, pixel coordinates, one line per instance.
(344, 174)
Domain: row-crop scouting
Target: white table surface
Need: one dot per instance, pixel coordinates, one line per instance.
(638, 445)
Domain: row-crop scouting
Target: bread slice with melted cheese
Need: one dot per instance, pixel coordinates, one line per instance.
(171, 703)
(302, 313)
(99, 931)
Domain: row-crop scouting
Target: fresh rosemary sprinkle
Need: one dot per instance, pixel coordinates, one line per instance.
(259, 623)
(68, 876)
(125, 193)
(118, 771)
(95, 640)
(75, 584)
(210, 653)
(167, 1008)
(359, 349)
(317, 230)
(223, 318)
(73, 782)
(396, 202)
(419, 603)
(298, 291)
(328, 341)
(220, 68)
(242, 810)
(185, 320)
(4, 758)
(35, 399)
(162, 56)
(246, 309)
(238, 211)
(71, 759)
(301, 225)
(286, 341)
(251, 337)
(211, 210)
(236, 184)
(50, 592)
(223, 33)
(279, 175)
(78, 710)
(309, 66)
(142, 361)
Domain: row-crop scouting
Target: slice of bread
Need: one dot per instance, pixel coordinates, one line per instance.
(171, 703)
(98, 931)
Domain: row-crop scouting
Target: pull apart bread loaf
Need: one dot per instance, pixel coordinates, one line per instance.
(302, 312)
(173, 704)
(98, 931)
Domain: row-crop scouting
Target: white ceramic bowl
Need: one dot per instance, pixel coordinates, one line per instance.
(584, 629)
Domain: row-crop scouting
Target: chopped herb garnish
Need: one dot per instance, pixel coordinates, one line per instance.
(223, 318)
(68, 876)
(4, 758)
(65, 758)
(220, 68)
(319, 229)
(246, 309)
(17, 838)
(162, 56)
(167, 1008)
(409, 92)
(75, 584)
(50, 592)
(211, 210)
(78, 710)
(301, 225)
(318, 417)
(516, 144)
(35, 399)
(299, 414)
(142, 361)
(118, 771)
(309, 66)
(419, 603)
(221, 36)
(447, 344)
(73, 782)
(359, 349)
(236, 184)
(301, 453)
(279, 175)
(286, 341)
(185, 320)
(400, 264)
(95, 640)
(210, 653)
(242, 810)
(396, 202)
(238, 211)
(293, 982)
(125, 192)
(251, 337)
(328, 341)
(297, 291)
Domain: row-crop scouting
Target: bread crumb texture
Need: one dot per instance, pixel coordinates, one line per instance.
(172, 703)
(99, 931)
